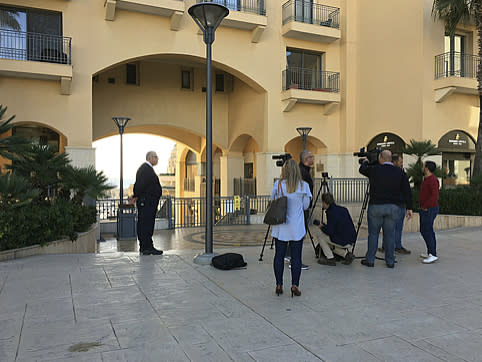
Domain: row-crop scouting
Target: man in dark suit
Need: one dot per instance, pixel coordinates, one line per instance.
(339, 228)
(147, 192)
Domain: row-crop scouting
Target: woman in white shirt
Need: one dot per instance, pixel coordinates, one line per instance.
(292, 232)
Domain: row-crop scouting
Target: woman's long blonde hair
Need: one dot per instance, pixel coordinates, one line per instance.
(291, 174)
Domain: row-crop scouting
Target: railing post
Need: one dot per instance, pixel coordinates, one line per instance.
(247, 207)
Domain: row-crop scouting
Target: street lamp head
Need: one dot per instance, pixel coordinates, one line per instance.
(303, 131)
(121, 122)
(208, 15)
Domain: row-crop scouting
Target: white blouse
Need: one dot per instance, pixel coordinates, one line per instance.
(294, 228)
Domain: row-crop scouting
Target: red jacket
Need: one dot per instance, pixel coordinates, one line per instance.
(429, 192)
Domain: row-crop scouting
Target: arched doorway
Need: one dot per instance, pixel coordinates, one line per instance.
(458, 151)
(387, 141)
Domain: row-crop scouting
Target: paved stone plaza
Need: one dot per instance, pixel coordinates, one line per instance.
(119, 306)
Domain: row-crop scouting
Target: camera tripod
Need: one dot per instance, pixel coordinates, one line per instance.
(323, 186)
(360, 220)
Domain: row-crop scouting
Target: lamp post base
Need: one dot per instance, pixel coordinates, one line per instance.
(204, 259)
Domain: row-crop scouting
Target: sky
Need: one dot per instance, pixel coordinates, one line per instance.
(107, 155)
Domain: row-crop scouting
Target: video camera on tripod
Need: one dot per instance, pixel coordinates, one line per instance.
(371, 155)
(281, 159)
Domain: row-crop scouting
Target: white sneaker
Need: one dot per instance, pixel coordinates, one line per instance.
(430, 259)
(424, 255)
(287, 259)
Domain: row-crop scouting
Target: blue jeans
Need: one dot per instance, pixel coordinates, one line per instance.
(279, 264)
(426, 228)
(384, 217)
(399, 229)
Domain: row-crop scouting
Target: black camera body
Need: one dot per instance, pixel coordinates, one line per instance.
(281, 159)
(371, 155)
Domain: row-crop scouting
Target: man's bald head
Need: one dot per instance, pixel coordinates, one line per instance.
(385, 156)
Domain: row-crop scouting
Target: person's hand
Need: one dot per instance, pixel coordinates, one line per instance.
(409, 214)
(132, 200)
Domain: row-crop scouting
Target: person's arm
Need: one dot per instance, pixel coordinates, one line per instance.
(306, 196)
(407, 195)
(364, 168)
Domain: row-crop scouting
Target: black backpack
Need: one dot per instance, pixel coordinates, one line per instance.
(228, 261)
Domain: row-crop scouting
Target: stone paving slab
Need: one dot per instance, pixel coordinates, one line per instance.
(119, 306)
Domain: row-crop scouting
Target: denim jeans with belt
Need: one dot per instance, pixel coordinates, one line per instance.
(383, 216)
(427, 217)
(279, 264)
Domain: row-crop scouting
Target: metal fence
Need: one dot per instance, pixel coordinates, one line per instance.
(107, 208)
(244, 186)
(343, 189)
(247, 6)
(309, 79)
(18, 45)
(456, 64)
(307, 12)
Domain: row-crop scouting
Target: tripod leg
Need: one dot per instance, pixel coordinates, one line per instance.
(360, 218)
(311, 238)
(264, 244)
(272, 243)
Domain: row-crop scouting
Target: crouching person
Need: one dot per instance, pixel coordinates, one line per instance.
(340, 231)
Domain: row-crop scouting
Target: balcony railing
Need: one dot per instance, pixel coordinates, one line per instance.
(247, 6)
(308, 79)
(307, 12)
(19, 45)
(456, 64)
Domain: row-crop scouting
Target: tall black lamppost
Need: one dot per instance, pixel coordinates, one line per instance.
(303, 131)
(208, 16)
(121, 123)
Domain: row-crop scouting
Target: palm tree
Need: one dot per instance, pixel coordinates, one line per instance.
(421, 149)
(15, 191)
(10, 144)
(453, 12)
(81, 182)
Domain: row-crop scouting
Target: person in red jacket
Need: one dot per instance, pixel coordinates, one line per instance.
(428, 211)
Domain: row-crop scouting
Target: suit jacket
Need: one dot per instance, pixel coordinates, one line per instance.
(339, 225)
(147, 184)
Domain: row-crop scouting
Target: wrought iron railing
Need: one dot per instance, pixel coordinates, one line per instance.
(247, 6)
(107, 208)
(244, 186)
(343, 189)
(18, 45)
(309, 79)
(307, 12)
(456, 64)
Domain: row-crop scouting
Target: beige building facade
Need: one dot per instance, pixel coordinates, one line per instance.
(359, 73)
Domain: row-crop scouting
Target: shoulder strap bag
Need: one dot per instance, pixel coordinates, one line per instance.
(276, 212)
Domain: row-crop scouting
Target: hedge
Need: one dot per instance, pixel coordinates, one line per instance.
(38, 224)
(457, 201)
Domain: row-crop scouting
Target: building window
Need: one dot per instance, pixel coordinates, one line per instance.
(131, 74)
(304, 69)
(186, 79)
(455, 63)
(219, 82)
(38, 35)
(38, 135)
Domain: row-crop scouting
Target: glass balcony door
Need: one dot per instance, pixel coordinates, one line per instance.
(455, 63)
(304, 11)
(304, 69)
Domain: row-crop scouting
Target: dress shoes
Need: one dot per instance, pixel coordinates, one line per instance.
(325, 261)
(367, 263)
(152, 251)
(348, 259)
(391, 266)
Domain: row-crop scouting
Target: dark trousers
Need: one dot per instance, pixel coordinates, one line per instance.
(426, 228)
(146, 216)
(278, 263)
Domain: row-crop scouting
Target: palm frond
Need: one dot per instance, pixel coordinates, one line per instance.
(8, 19)
(453, 12)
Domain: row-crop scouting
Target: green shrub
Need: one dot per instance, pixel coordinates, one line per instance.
(38, 224)
(457, 201)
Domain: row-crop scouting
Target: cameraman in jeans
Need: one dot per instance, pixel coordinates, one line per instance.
(388, 185)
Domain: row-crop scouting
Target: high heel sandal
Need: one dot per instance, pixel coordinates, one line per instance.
(295, 291)
(279, 290)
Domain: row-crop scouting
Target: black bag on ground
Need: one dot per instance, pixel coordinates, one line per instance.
(228, 261)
